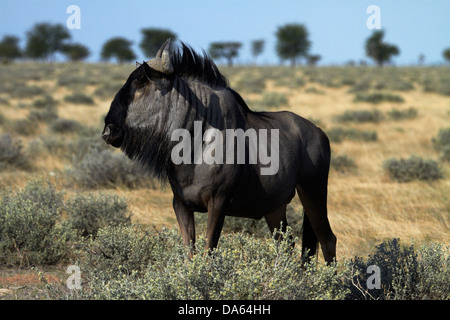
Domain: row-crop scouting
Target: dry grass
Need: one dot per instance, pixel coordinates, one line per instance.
(365, 207)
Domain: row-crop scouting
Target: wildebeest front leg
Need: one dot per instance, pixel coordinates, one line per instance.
(185, 218)
(216, 217)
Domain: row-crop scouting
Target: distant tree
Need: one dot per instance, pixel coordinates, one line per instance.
(118, 48)
(45, 39)
(257, 48)
(153, 38)
(378, 50)
(312, 59)
(9, 48)
(446, 54)
(292, 42)
(421, 59)
(75, 51)
(227, 50)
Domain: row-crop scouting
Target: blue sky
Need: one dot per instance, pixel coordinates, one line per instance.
(337, 27)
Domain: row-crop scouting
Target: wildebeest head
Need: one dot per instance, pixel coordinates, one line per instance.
(148, 76)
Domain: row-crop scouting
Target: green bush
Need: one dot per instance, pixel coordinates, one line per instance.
(378, 97)
(441, 143)
(30, 228)
(293, 82)
(89, 213)
(405, 274)
(25, 127)
(45, 102)
(53, 145)
(360, 116)
(396, 114)
(130, 262)
(27, 91)
(65, 126)
(250, 83)
(340, 134)
(273, 100)
(3, 101)
(105, 168)
(122, 263)
(46, 115)
(3, 119)
(343, 164)
(79, 98)
(11, 153)
(314, 90)
(413, 168)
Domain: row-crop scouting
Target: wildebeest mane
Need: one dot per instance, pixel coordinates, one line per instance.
(189, 64)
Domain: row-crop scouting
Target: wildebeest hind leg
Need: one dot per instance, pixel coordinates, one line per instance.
(314, 200)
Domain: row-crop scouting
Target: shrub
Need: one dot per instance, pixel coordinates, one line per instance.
(442, 139)
(404, 272)
(130, 262)
(108, 89)
(343, 163)
(292, 82)
(25, 127)
(4, 102)
(53, 145)
(79, 98)
(27, 92)
(45, 102)
(445, 153)
(413, 168)
(409, 113)
(273, 100)
(314, 90)
(360, 116)
(2, 119)
(65, 126)
(11, 153)
(104, 168)
(378, 97)
(89, 213)
(48, 114)
(340, 134)
(441, 143)
(250, 83)
(30, 229)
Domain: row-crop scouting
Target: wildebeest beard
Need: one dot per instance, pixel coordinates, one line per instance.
(149, 145)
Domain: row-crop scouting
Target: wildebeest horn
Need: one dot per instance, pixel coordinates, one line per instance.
(161, 62)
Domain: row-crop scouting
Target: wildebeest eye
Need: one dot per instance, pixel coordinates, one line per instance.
(138, 83)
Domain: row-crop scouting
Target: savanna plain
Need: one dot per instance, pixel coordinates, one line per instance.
(69, 199)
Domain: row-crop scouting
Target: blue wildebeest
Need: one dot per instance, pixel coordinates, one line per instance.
(172, 115)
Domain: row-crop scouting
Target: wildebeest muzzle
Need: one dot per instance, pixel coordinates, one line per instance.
(113, 135)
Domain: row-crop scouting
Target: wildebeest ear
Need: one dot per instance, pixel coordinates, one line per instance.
(138, 64)
(151, 73)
